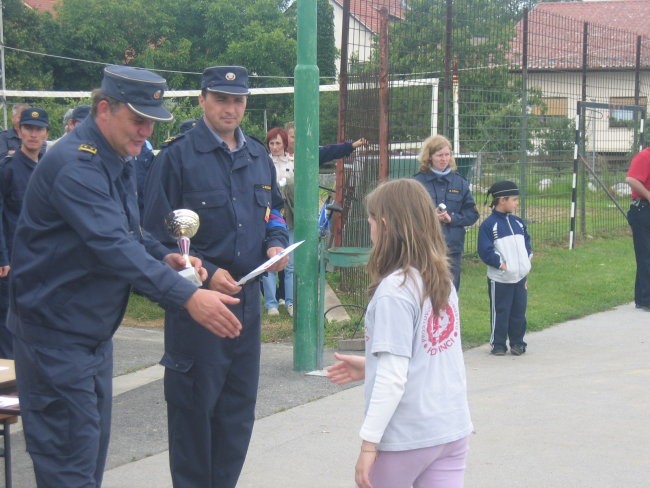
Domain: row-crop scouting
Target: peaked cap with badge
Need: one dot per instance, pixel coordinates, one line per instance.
(34, 116)
(141, 90)
(231, 80)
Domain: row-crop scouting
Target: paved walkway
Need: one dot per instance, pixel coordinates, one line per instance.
(572, 412)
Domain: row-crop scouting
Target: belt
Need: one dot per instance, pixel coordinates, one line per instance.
(640, 203)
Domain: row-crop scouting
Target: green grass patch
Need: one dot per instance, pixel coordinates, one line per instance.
(563, 285)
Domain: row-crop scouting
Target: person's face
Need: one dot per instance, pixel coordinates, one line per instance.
(124, 130)
(441, 159)
(15, 119)
(223, 112)
(276, 146)
(32, 138)
(72, 123)
(291, 133)
(373, 229)
(509, 204)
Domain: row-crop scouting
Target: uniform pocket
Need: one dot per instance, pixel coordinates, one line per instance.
(179, 380)
(50, 424)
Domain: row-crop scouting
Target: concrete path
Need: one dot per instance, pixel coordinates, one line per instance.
(572, 412)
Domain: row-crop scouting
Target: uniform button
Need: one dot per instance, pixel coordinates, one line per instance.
(238, 253)
(239, 225)
(202, 203)
(234, 199)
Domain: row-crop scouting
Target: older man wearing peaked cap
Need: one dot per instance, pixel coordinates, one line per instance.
(79, 249)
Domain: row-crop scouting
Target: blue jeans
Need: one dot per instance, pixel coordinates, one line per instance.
(269, 283)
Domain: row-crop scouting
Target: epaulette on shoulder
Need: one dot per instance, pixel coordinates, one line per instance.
(89, 148)
(172, 139)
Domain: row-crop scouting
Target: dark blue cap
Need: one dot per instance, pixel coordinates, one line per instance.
(231, 80)
(504, 189)
(141, 90)
(34, 116)
(80, 112)
(186, 125)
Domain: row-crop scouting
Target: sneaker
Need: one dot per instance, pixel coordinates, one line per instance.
(281, 301)
(517, 350)
(290, 310)
(272, 311)
(498, 351)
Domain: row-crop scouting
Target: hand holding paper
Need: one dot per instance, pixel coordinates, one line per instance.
(266, 265)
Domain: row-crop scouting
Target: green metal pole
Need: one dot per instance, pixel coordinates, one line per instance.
(308, 334)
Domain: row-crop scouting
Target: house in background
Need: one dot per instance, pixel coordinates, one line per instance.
(364, 24)
(555, 65)
(41, 5)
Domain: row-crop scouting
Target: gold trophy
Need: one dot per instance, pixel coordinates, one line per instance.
(183, 224)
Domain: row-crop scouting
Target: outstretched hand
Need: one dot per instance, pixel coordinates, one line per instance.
(349, 368)
(209, 309)
(360, 142)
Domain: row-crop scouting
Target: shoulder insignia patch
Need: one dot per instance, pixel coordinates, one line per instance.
(88, 148)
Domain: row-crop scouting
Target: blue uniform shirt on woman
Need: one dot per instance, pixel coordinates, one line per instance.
(452, 190)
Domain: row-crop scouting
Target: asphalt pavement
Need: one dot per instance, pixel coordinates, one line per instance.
(572, 412)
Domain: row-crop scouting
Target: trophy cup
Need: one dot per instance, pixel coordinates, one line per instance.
(183, 224)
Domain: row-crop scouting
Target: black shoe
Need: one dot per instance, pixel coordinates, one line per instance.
(644, 307)
(498, 351)
(517, 350)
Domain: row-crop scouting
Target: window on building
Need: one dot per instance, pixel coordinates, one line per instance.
(551, 108)
(619, 116)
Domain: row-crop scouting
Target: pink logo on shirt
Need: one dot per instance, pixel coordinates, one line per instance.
(440, 332)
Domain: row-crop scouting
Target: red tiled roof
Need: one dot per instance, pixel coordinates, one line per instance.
(41, 5)
(555, 34)
(367, 11)
(629, 15)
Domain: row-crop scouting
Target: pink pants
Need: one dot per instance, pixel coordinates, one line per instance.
(431, 467)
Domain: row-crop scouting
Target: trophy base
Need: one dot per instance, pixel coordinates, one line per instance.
(192, 276)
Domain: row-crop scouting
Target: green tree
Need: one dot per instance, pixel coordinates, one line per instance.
(25, 30)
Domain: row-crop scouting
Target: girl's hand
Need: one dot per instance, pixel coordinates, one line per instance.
(349, 368)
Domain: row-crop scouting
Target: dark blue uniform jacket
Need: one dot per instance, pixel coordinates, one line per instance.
(452, 190)
(79, 247)
(235, 195)
(15, 172)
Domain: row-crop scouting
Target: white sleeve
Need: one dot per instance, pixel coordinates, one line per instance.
(392, 373)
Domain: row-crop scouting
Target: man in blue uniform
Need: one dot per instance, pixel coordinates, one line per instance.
(15, 171)
(78, 249)
(10, 139)
(228, 178)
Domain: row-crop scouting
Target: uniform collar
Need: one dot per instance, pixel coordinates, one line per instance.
(89, 133)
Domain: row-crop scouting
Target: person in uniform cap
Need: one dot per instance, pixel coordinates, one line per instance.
(79, 114)
(228, 178)
(15, 171)
(10, 139)
(78, 250)
(504, 246)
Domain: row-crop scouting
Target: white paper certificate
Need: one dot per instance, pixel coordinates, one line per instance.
(266, 265)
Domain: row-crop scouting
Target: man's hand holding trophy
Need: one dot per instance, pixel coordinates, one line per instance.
(182, 224)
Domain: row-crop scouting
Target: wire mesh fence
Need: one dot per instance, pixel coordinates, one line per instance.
(503, 84)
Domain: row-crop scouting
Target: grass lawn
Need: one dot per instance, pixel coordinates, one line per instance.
(598, 275)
